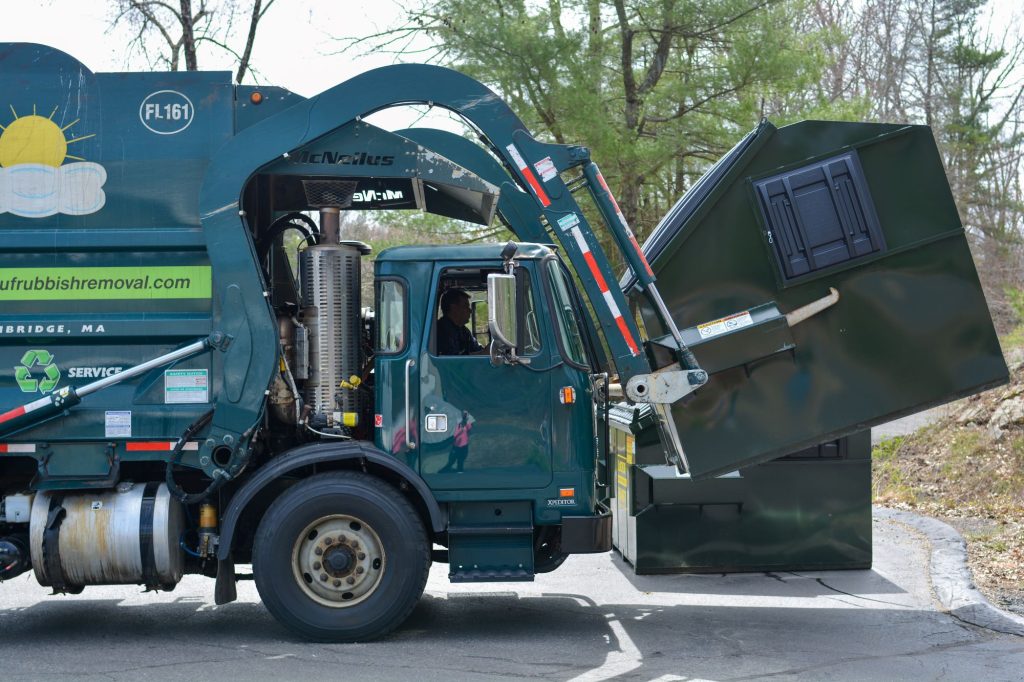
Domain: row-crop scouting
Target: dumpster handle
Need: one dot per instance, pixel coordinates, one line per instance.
(813, 308)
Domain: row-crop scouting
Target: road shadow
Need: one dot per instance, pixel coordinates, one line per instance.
(483, 635)
(763, 584)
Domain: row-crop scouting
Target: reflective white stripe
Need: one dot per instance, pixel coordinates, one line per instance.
(580, 241)
(516, 156)
(36, 404)
(17, 447)
(611, 304)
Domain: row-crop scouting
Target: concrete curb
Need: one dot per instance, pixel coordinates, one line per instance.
(951, 578)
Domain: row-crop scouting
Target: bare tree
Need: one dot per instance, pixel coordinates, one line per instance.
(167, 31)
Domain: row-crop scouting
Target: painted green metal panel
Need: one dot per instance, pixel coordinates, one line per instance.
(102, 259)
(807, 511)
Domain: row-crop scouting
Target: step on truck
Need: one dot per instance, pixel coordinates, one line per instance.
(190, 379)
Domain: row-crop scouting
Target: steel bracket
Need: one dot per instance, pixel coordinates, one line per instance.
(666, 385)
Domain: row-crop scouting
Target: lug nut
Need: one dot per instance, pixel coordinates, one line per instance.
(360, 569)
(323, 577)
(355, 544)
(328, 541)
(362, 555)
(316, 565)
(318, 552)
(350, 580)
(337, 583)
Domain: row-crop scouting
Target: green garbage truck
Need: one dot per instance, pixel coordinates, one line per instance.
(190, 379)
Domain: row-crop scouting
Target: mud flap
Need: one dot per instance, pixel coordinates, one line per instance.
(747, 263)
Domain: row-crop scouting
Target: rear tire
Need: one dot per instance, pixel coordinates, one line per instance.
(341, 557)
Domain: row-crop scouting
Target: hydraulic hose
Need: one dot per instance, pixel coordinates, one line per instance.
(176, 490)
(287, 222)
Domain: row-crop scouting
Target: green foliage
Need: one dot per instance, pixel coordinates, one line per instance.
(656, 88)
(1015, 339)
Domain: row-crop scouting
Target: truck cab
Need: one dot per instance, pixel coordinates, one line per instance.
(515, 422)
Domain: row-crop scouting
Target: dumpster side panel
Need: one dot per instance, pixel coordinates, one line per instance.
(911, 328)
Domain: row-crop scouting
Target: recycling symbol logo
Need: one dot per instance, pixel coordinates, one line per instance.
(38, 360)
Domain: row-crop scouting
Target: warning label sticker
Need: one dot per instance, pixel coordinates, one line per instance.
(567, 222)
(186, 386)
(546, 168)
(724, 325)
(117, 425)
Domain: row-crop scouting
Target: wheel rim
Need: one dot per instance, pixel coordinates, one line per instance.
(338, 560)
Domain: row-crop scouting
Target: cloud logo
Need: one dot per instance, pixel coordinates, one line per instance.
(33, 190)
(33, 181)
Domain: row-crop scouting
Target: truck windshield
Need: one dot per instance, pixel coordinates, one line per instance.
(565, 316)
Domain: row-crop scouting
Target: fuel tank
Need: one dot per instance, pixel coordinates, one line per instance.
(128, 536)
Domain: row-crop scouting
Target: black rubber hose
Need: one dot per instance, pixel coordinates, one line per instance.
(287, 222)
(176, 490)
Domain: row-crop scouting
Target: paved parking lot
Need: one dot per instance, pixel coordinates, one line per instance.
(590, 620)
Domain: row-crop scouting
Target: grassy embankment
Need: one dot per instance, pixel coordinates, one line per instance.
(968, 470)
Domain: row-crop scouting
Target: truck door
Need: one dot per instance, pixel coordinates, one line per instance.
(821, 275)
(482, 426)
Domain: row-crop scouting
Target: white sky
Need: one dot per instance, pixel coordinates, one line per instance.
(292, 45)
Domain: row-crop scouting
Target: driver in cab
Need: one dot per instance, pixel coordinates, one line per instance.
(453, 338)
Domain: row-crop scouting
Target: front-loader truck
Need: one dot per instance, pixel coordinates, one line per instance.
(190, 379)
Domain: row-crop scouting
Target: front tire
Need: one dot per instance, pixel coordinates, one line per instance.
(341, 557)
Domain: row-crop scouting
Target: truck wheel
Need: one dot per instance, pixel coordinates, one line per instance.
(341, 557)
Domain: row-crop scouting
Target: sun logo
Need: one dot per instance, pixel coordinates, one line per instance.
(34, 180)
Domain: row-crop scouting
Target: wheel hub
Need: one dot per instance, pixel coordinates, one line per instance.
(338, 560)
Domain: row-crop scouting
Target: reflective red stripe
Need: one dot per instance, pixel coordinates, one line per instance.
(11, 414)
(643, 258)
(531, 179)
(622, 219)
(626, 335)
(157, 445)
(142, 446)
(538, 190)
(592, 264)
(603, 286)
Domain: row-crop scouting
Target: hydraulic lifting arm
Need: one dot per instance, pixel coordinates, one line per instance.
(536, 168)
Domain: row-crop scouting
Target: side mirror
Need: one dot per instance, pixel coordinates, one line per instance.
(501, 310)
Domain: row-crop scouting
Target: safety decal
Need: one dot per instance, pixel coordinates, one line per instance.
(35, 181)
(546, 169)
(724, 325)
(378, 421)
(567, 222)
(531, 179)
(117, 424)
(186, 386)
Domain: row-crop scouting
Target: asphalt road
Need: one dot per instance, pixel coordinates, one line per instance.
(590, 620)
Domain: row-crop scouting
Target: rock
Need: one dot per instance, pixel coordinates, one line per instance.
(1009, 413)
(1015, 358)
(972, 414)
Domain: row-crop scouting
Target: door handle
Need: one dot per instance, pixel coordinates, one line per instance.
(409, 442)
